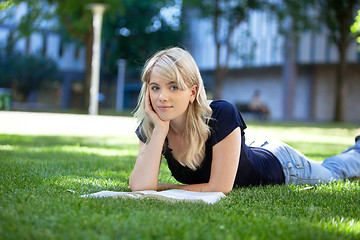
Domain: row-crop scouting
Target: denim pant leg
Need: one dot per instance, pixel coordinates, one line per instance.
(298, 169)
(346, 164)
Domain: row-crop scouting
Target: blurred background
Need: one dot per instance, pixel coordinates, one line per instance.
(300, 59)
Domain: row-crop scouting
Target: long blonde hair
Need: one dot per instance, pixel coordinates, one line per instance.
(176, 64)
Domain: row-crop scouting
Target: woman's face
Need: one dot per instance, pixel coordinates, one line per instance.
(168, 101)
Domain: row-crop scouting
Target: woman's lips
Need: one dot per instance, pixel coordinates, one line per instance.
(164, 108)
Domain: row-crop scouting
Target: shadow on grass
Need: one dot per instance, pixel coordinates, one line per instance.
(105, 142)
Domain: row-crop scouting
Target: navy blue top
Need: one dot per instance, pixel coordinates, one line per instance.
(256, 167)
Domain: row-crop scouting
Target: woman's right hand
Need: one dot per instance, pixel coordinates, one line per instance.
(146, 170)
(154, 117)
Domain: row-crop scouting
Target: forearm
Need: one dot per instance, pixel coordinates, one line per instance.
(201, 187)
(146, 170)
(193, 187)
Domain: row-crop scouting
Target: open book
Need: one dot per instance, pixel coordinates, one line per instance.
(172, 195)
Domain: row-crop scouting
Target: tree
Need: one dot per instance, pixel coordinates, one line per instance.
(293, 18)
(338, 17)
(32, 71)
(7, 70)
(226, 16)
(75, 21)
(128, 36)
(25, 73)
(134, 38)
(76, 17)
(120, 15)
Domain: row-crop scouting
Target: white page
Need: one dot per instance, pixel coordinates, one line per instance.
(208, 197)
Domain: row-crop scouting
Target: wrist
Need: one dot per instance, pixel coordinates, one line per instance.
(160, 131)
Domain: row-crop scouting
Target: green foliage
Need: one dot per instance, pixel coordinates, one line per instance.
(32, 71)
(76, 16)
(76, 19)
(337, 17)
(299, 11)
(146, 34)
(30, 22)
(355, 28)
(42, 177)
(25, 72)
(8, 68)
(134, 38)
(5, 5)
(38, 11)
(226, 16)
(233, 12)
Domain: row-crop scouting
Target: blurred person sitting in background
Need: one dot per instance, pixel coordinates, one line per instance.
(258, 107)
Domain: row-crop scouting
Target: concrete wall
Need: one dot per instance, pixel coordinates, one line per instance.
(241, 84)
(325, 89)
(314, 91)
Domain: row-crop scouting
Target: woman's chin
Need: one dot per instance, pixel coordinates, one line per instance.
(164, 118)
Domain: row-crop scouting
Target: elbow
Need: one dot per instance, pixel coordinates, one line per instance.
(225, 190)
(135, 189)
(135, 186)
(221, 188)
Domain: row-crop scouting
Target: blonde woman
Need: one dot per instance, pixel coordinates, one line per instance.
(204, 143)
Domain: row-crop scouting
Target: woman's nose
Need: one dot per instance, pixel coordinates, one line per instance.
(164, 96)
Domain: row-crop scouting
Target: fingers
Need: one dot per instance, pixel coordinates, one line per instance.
(148, 107)
(149, 110)
(152, 114)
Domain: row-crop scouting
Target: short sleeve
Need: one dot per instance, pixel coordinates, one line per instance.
(225, 119)
(140, 133)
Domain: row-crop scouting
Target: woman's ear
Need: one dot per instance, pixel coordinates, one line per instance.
(194, 90)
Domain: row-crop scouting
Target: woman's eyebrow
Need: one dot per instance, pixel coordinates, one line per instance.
(171, 83)
(168, 83)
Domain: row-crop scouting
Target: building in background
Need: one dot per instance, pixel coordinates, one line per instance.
(260, 68)
(250, 68)
(69, 57)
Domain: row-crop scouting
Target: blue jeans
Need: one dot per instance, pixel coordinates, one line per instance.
(299, 169)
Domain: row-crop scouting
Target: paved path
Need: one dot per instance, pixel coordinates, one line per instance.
(29, 123)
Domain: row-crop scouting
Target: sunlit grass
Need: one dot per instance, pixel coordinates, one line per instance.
(42, 177)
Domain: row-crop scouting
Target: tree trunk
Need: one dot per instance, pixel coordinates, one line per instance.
(343, 16)
(289, 73)
(340, 85)
(221, 67)
(220, 71)
(218, 84)
(217, 78)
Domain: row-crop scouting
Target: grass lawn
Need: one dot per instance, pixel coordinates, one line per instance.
(42, 177)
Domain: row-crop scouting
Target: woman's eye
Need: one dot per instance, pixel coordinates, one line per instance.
(174, 88)
(155, 88)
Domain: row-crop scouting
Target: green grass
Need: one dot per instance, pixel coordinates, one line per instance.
(42, 177)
